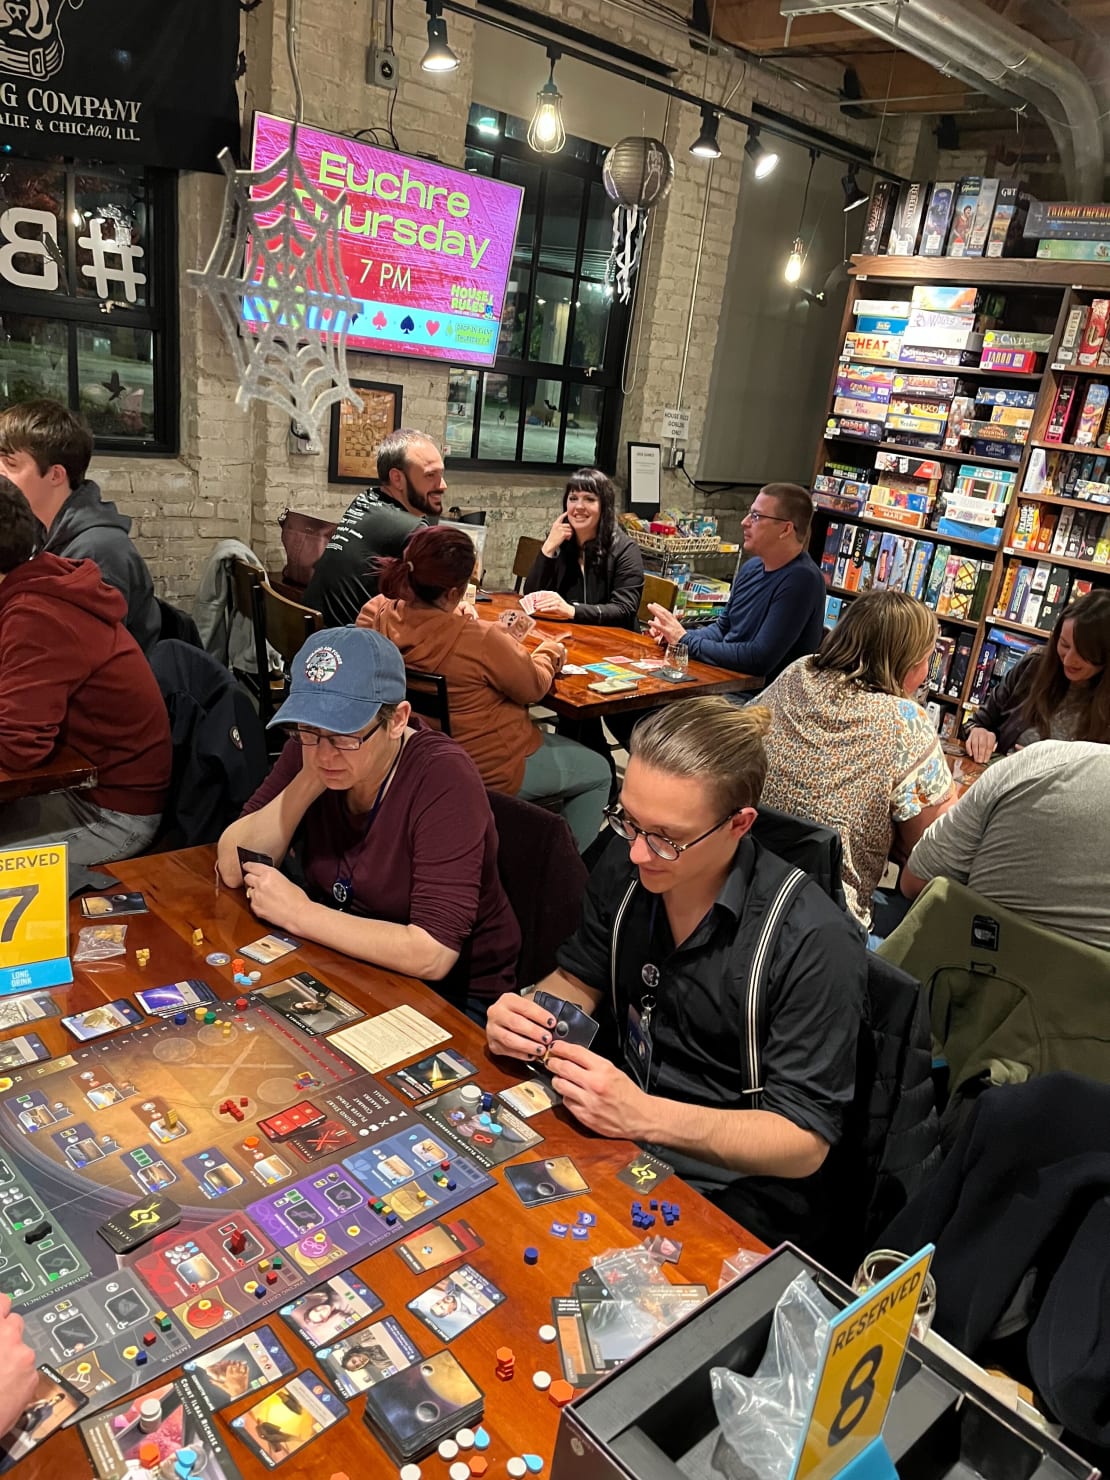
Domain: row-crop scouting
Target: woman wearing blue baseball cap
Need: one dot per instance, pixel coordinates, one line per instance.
(399, 847)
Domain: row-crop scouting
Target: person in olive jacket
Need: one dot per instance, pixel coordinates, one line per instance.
(588, 569)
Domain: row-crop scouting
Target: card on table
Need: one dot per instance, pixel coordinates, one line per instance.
(427, 1401)
(667, 1250)
(529, 1097)
(100, 906)
(460, 1119)
(389, 1038)
(456, 1301)
(106, 1018)
(574, 1348)
(269, 948)
(438, 1244)
(136, 1225)
(283, 1422)
(175, 997)
(357, 1362)
(31, 1007)
(322, 1315)
(114, 1436)
(540, 1182)
(241, 1366)
(644, 1172)
(309, 1004)
(432, 1075)
(55, 1401)
(26, 1049)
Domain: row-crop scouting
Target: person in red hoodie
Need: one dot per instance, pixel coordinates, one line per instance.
(71, 673)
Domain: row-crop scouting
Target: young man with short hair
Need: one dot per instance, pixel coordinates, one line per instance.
(71, 673)
(377, 524)
(45, 451)
(669, 937)
(776, 608)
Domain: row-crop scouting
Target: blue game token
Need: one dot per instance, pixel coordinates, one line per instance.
(481, 1439)
(534, 1463)
(218, 958)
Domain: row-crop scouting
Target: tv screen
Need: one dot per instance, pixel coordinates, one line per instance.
(425, 248)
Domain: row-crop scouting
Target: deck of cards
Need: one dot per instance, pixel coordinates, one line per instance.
(412, 1411)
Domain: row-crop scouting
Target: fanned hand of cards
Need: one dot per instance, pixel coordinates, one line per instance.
(572, 1023)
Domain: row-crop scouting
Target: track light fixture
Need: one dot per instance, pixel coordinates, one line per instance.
(705, 146)
(764, 161)
(546, 134)
(439, 57)
(853, 195)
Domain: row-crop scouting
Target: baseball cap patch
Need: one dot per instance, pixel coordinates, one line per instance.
(322, 664)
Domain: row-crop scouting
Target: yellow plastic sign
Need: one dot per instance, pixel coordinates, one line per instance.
(863, 1355)
(34, 918)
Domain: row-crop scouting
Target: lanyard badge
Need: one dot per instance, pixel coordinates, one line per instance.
(638, 1047)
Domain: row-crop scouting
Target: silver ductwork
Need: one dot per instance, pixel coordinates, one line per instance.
(968, 40)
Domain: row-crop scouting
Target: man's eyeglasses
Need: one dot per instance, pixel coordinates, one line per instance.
(755, 515)
(310, 738)
(662, 847)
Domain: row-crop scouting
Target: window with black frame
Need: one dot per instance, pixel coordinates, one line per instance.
(553, 397)
(88, 296)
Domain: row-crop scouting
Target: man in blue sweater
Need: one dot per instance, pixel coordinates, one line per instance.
(776, 608)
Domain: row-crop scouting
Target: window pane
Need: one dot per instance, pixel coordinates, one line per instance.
(485, 120)
(562, 214)
(511, 341)
(36, 192)
(543, 404)
(527, 175)
(599, 232)
(550, 317)
(585, 405)
(114, 263)
(591, 324)
(34, 358)
(479, 161)
(500, 416)
(462, 396)
(115, 369)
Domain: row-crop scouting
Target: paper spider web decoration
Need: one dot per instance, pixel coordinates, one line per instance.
(274, 269)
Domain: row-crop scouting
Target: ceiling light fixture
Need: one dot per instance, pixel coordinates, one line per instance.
(853, 195)
(439, 57)
(796, 261)
(705, 146)
(546, 134)
(764, 161)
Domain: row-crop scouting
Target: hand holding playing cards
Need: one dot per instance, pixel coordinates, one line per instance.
(18, 1375)
(597, 1093)
(273, 897)
(518, 1028)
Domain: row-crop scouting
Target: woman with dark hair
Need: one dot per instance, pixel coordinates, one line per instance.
(1059, 692)
(491, 679)
(588, 569)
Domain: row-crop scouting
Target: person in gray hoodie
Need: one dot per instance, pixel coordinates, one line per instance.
(45, 451)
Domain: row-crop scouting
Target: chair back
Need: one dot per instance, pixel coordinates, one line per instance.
(467, 516)
(286, 627)
(246, 600)
(807, 845)
(659, 591)
(427, 693)
(527, 549)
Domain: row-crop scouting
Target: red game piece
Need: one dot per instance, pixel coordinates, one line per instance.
(445, 1166)
(238, 1241)
(241, 1004)
(271, 1277)
(149, 1338)
(244, 1102)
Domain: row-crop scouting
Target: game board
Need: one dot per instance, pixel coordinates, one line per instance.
(85, 1136)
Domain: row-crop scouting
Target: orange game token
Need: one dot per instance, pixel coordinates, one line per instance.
(149, 1454)
(560, 1393)
(479, 1465)
(504, 1355)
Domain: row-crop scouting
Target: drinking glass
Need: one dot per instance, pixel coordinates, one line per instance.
(676, 659)
(877, 1265)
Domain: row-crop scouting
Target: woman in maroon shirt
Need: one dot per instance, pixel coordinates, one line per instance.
(400, 851)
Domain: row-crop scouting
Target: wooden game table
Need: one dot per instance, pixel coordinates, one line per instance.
(571, 696)
(179, 889)
(964, 770)
(66, 769)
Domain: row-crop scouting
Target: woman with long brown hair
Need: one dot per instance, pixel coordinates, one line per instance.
(1060, 692)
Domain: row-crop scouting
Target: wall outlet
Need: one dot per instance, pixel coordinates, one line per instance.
(677, 458)
(381, 67)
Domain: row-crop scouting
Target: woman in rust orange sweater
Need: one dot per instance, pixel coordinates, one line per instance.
(491, 679)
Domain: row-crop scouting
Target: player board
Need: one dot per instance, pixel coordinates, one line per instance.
(323, 1169)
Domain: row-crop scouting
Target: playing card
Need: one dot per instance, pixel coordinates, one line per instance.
(529, 1097)
(572, 1023)
(432, 1075)
(139, 1223)
(322, 1315)
(456, 1301)
(438, 1244)
(644, 1172)
(308, 1003)
(357, 1362)
(55, 1402)
(269, 948)
(413, 1410)
(26, 1049)
(248, 855)
(241, 1366)
(175, 997)
(97, 1021)
(283, 1422)
(100, 906)
(540, 1182)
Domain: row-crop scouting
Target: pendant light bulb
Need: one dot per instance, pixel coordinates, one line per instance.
(793, 269)
(546, 134)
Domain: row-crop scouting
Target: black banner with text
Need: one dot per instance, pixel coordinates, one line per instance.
(125, 81)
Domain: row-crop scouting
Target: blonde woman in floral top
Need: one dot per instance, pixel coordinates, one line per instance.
(850, 747)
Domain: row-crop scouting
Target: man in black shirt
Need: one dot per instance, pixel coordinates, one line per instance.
(738, 1095)
(377, 524)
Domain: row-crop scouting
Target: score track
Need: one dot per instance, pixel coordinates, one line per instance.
(88, 1135)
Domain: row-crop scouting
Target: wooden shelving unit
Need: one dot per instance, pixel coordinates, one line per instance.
(1039, 295)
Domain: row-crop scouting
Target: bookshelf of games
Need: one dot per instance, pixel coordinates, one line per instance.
(1036, 482)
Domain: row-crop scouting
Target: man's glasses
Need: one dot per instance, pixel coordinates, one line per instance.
(310, 738)
(662, 847)
(755, 516)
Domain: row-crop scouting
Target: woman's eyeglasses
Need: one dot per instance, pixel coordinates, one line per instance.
(662, 847)
(310, 738)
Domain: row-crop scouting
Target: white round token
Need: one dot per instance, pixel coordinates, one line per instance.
(448, 1449)
(541, 1380)
(517, 1468)
(410, 1472)
(465, 1438)
(460, 1470)
(548, 1333)
(255, 976)
(470, 1093)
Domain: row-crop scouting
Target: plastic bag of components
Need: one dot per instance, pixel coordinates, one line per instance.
(762, 1416)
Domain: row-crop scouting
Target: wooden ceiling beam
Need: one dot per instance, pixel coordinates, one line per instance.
(756, 25)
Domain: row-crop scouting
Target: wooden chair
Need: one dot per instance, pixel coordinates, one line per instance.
(527, 549)
(286, 626)
(659, 591)
(246, 593)
(427, 693)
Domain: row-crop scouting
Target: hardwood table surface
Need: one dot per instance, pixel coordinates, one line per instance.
(964, 769)
(180, 891)
(66, 768)
(571, 696)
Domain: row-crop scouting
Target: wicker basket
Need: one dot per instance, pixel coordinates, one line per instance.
(675, 545)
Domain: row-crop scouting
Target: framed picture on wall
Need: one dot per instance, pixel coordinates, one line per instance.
(355, 434)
